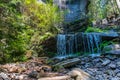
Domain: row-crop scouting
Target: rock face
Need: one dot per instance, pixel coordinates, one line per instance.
(75, 8)
(111, 34)
(49, 45)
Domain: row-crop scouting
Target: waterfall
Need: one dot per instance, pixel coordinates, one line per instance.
(61, 45)
(70, 44)
(65, 45)
(91, 42)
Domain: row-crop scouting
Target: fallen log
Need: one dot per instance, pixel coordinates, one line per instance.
(66, 77)
(68, 63)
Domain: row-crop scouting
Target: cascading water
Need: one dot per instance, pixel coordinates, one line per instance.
(61, 45)
(65, 45)
(70, 44)
(91, 43)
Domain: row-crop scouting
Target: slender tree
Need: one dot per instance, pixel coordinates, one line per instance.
(118, 4)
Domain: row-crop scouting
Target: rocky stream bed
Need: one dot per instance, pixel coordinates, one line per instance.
(82, 68)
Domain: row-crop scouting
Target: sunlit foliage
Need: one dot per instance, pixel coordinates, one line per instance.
(23, 25)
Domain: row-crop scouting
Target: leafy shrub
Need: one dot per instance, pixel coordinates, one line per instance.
(24, 25)
(13, 42)
(44, 20)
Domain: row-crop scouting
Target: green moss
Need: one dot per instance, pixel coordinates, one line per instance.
(94, 29)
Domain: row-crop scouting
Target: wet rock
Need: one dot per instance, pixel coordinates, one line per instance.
(99, 77)
(90, 72)
(96, 60)
(112, 66)
(87, 65)
(113, 49)
(118, 75)
(111, 57)
(118, 64)
(106, 62)
(110, 34)
(33, 74)
(113, 52)
(115, 78)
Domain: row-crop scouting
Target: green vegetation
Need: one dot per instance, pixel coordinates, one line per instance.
(24, 25)
(27, 27)
(94, 29)
(99, 9)
(106, 43)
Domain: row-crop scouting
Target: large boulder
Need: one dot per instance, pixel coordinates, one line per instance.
(79, 74)
(113, 49)
(114, 52)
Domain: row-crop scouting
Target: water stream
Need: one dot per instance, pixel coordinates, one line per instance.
(71, 44)
(61, 45)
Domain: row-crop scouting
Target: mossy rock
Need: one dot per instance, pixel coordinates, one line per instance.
(110, 48)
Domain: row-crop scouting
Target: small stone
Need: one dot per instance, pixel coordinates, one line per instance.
(115, 78)
(112, 66)
(100, 77)
(96, 60)
(4, 76)
(21, 77)
(33, 74)
(106, 62)
(117, 71)
(118, 75)
(16, 77)
(113, 57)
(108, 72)
(13, 69)
(118, 64)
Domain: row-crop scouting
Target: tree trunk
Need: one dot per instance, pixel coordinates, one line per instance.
(118, 3)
